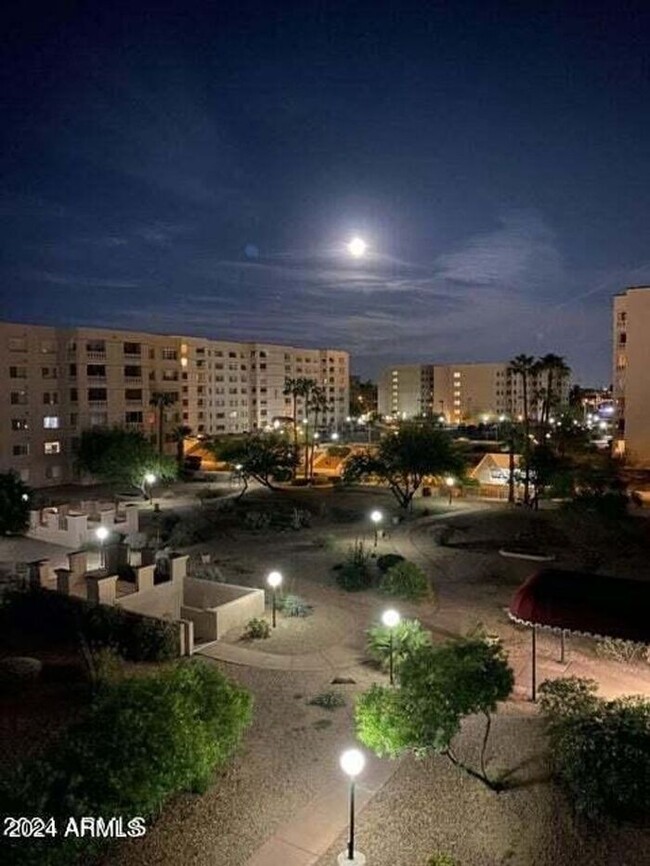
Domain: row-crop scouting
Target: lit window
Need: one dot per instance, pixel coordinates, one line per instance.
(52, 447)
(51, 422)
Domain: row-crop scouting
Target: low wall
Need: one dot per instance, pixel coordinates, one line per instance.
(215, 608)
(162, 601)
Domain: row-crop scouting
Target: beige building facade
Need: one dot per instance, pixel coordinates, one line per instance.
(466, 393)
(60, 381)
(631, 374)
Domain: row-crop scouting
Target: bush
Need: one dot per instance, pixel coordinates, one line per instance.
(388, 560)
(293, 605)
(408, 636)
(440, 859)
(257, 629)
(601, 749)
(405, 580)
(328, 700)
(355, 574)
(141, 741)
(50, 614)
(620, 650)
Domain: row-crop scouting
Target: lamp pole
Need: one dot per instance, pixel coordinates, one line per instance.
(390, 619)
(352, 763)
(274, 580)
(376, 517)
(102, 534)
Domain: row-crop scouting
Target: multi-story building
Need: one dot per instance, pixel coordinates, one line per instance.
(459, 393)
(60, 381)
(631, 380)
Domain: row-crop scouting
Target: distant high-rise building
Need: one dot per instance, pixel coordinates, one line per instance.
(363, 397)
(631, 374)
(57, 382)
(468, 393)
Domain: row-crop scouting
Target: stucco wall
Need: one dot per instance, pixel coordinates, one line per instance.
(215, 608)
(162, 601)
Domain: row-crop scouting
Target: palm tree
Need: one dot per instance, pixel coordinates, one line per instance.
(556, 369)
(524, 366)
(317, 403)
(161, 400)
(179, 435)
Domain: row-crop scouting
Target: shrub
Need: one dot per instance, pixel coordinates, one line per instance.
(405, 580)
(355, 574)
(141, 741)
(388, 560)
(330, 700)
(620, 650)
(293, 605)
(408, 636)
(440, 859)
(50, 614)
(257, 629)
(601, 749)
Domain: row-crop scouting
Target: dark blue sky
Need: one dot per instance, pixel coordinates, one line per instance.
(197, 167)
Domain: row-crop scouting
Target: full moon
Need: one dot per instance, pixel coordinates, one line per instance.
(357, 247)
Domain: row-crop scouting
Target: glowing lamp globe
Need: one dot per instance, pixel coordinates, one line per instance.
(376, 516)
(101, 533)
(274, 579)
(352, 762)
(390, 618)
(150, 478)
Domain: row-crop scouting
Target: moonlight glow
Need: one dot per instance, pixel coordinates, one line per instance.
(357, 247)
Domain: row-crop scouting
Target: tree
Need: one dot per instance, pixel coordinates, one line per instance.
(601, 748)
(161, 399)
(300, 387)
(404, 459)
(119, 456)
(14, 504)
(262, 456)
(179, 435)
(556, 370)
(524, 367)
(438, 687)
(317, 404)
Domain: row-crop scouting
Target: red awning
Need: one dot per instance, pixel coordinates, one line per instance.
(582, 603)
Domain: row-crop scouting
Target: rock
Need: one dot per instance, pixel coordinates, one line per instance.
(343, 681)
(19, 669)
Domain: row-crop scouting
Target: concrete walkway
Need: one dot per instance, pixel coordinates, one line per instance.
(329, 660)
(312, 830)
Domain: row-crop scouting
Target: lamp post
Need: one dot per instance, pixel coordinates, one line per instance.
(274, 580)
(150, 480)
(390, 619)
(352, 763)
(102, 534)
(376, 516)
(449, 481)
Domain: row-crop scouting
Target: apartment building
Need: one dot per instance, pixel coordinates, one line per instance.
(60, 381)
(468, 393)
(631, 374)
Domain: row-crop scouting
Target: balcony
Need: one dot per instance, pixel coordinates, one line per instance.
(96, 356)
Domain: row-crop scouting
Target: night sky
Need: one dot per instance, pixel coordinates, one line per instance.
(194, 167)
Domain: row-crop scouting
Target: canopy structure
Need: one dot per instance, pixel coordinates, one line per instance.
(582, 603)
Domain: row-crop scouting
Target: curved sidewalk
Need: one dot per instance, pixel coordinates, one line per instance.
(332, 659)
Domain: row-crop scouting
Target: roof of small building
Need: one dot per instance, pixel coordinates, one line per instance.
(583, 603)
(496, 458)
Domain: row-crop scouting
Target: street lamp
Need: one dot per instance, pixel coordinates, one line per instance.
(390, 619)
(352, 763)
(150, 480)
(102, 534)
(334, 436)
(274, 580)
(376, 517)
(449, 481)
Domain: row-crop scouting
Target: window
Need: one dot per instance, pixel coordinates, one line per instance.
(48, 347)
(19, 424)
(17, 372)
(132, 349)
(52, 447)
(98, 419)
(170, 376)
(169, 354)
(50, 398)
(74, 395)
(74, 419)
(18, 398)
(132, 372)
(24, 475)
(52, 472)
(51, 422)
(97, 395)
(72, 370)
(133, 417)
(20, 450)
(97, 371)
(133, 394)
(17, 344)
(95, 347)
